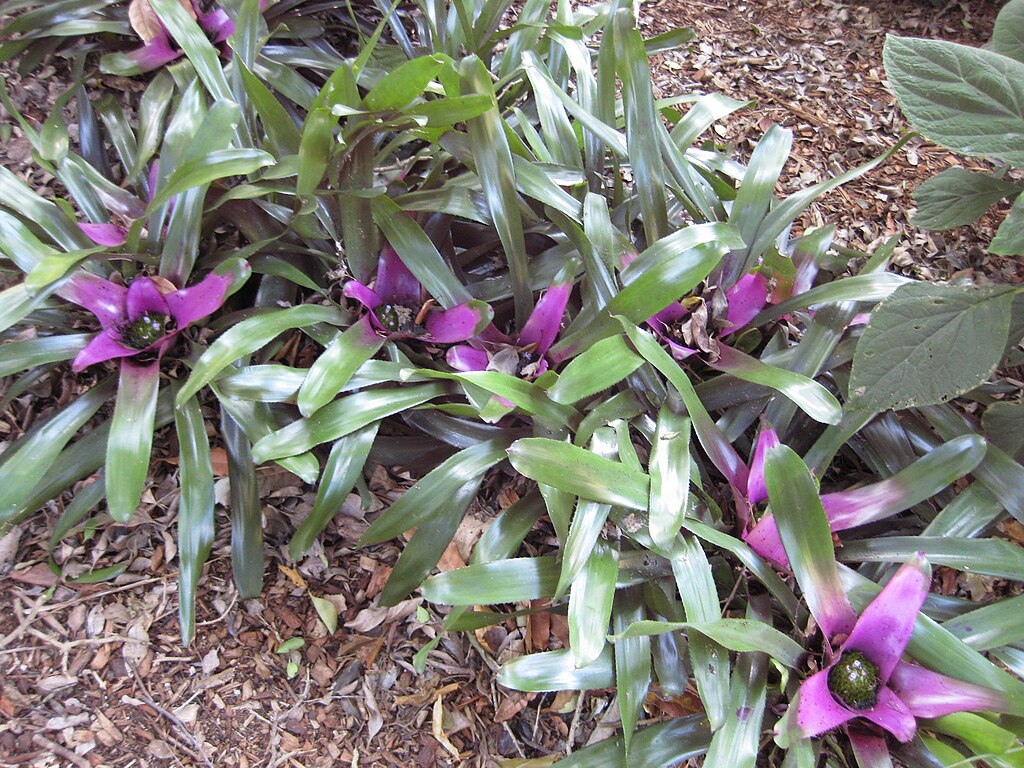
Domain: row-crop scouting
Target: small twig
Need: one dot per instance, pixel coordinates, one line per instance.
(179, 726)
(60, 751)
(24, 622)
(575, 724)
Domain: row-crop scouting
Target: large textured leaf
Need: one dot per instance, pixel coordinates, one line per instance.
(956, 197)
(968, 99)
(1009, 239)
(1008, 33)
(927, 343)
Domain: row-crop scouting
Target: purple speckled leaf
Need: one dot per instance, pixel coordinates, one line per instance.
(459, 323)
(546, 319)
(929, 694)
(103, 298)
(883, 629)
(108, 235)
(143, 296)
(746, 298)
(466, 358)
(757, 491)
(817, 709)
(104, 346)
(395, 283)
(199, 300)
(892, 714)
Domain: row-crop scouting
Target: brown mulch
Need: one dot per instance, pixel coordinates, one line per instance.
(95, 674)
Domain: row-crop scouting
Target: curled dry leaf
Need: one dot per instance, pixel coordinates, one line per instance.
(146, 23)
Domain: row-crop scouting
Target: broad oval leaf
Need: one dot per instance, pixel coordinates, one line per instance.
(926, 344)
(968, 99)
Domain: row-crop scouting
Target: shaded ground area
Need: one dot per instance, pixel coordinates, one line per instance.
(94, 674)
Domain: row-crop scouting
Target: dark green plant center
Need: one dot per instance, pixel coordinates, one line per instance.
(854, 680)
(145, 330)
(396, 318)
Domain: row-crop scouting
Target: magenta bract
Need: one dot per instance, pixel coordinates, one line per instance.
(397, 307)
(902, 691)
(526, 355)
(144, 317)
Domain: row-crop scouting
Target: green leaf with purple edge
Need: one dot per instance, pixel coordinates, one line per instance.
(334, 367)
(418, 253)
(131, 437)
(793, 495)
(195, 509)
(197, 46)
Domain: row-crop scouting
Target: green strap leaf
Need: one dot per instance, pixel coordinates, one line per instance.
(195, 509)
(246, 510)
(340, 418)
(503, 581)
(248, 336)
(333, 369)
(580, 472)
(590, 603)
(131, 438)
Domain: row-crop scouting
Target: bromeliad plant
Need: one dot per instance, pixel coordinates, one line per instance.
(444, 226)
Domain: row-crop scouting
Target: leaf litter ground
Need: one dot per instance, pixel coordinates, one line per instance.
(96, 676)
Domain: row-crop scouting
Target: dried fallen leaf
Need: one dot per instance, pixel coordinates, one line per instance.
(55, 683)
(374, 616)
(293, 576)
(437, 728)
(210, 662)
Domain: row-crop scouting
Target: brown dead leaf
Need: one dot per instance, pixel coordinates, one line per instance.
(372, 617)
(512, 705)
(38, 575)
(538, 627)
(147, 24)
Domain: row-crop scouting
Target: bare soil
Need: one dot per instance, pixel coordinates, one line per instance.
(95, 674)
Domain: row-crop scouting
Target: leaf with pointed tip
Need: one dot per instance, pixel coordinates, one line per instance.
(343, 468)
(957, 197)
(334, 367)
(340, 418)
(250, 335)
(580, 472)
(503, 581)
